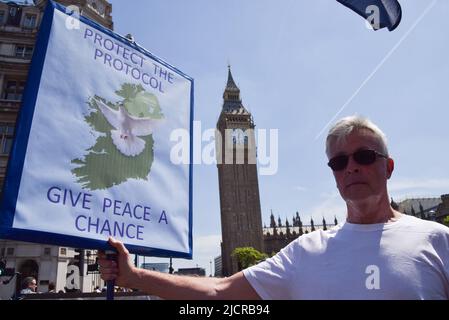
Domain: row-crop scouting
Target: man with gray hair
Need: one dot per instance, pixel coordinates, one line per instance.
(377, 253)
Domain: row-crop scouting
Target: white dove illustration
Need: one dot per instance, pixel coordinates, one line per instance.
(127, 129)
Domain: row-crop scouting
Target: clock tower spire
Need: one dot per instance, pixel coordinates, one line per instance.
(241, 221)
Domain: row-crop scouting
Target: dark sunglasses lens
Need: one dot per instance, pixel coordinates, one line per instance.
(338, 163)
(365, 157)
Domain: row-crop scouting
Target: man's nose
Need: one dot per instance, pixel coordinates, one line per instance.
(352, 166)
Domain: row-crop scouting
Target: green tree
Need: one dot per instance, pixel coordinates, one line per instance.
(446, 220)
(247, 256)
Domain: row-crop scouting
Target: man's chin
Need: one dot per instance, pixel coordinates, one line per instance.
(357, 195)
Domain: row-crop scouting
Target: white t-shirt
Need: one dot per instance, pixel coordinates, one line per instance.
(405, 259)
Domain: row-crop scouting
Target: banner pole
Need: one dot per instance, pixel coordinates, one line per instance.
(110, 284)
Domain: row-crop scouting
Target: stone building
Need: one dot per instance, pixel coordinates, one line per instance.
(434, 209)
(19, 26)
(278, 235)
(241, 221)
(218, 267)
(442, 212)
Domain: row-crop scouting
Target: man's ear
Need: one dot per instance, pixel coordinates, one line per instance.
(390, 167)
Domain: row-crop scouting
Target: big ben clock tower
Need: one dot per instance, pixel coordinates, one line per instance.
(241, 221)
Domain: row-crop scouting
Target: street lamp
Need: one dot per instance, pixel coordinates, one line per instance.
(210, 261)
(170, 269)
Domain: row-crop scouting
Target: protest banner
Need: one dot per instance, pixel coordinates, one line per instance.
(91, 156)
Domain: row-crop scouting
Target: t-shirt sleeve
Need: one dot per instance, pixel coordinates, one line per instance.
(272, 279)
(442, 245)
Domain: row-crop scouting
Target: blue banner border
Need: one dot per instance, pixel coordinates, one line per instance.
(22, 132)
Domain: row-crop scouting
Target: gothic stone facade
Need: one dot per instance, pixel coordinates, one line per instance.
(241, 221)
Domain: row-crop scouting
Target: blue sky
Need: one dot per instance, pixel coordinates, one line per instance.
(297, 63)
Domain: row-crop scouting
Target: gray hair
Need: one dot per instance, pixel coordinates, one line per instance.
(345, 126)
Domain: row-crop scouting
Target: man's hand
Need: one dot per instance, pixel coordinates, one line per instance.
(168, 286)
(122, 270)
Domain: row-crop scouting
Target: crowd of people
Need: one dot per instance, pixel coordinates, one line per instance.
(29, 286)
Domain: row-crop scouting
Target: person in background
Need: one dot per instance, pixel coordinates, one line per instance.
(51, 287)
(29, 285)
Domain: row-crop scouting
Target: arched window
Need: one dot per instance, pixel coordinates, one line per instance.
(28, 268)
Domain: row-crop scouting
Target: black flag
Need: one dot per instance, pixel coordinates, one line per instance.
(379, 13)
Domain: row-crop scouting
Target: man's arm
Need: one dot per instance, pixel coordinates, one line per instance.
(168, 286)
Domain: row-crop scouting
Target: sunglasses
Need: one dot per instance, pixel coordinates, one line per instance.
(363, 157)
